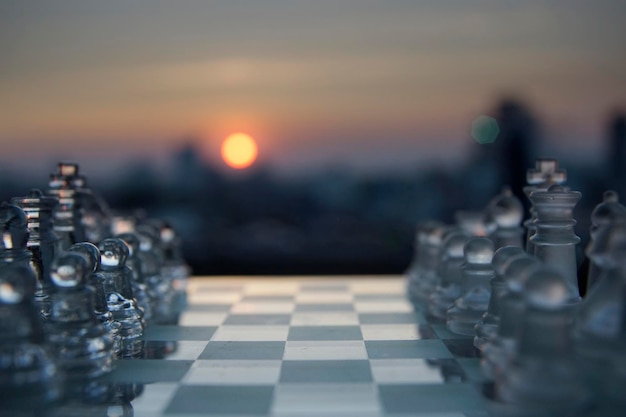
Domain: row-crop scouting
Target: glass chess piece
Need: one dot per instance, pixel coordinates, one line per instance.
(96, 398)
(28, 373)
(66, 214)
(545, 173)
(174, 268)
(14, 229)
(450, 276)
(422, 273)
(554, 240)
(160, 285)
(82, 346)
(543, 376)
(140, 288)
(599, 331)
(113, 277)
(475, 223)
(101, 311)
(506, 212)
(477, 271)
(486, 329)
(42, 241)
(605, 214)
(95, 214)
(497, 354)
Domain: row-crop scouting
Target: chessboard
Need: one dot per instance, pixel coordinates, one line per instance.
(304, 346)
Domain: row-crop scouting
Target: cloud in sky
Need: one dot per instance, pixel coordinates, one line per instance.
(404, 72)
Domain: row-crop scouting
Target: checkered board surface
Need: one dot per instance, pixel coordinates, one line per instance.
(306, 347)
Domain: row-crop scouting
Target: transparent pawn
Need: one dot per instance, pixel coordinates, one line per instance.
(474, 223)
(497, 355)
(114, 277)
(605, 214)
(174, 268)
(138, 281)
(450, 276)
(477, 271)
(422, 273)
(160, 285)
(101, 311)
(42, 242)
(506, 212)
(545, 174)
(28, 374)
(554, 240)
(600, 323)
(82, 346)
(544, 376)
(486, 329)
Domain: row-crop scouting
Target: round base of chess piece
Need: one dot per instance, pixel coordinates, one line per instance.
(81, 352)
(486, 330)
(442, 299)
(551, 384)
(28, 376)
(496, 357)
(462, 317)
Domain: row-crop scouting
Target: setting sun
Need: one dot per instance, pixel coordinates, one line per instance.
(239, 150)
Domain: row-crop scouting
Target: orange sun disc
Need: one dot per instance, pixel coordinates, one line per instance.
(239, 150)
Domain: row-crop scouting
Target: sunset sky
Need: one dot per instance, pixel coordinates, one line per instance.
(366, 84)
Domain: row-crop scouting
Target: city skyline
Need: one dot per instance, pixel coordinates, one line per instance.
(359, 84)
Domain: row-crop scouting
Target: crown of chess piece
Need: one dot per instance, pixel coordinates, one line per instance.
(91, 254)
(600, 324)
(449, 288)
(42, 241)
(66, 214)
(477, 271)
(554, 240)
(82, 346)
(497, 353)
(138, 282)
(28, 374)
(422, 273)
(486, 329)
(545, 174)
(543, 374)
(114, 277)
(604, 215)
(506, 212)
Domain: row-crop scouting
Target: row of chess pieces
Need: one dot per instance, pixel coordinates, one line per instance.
(78, 287)
(514, 288)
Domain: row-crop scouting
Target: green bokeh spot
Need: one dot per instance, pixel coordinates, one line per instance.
(485, 129)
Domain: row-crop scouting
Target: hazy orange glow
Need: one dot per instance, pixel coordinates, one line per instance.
(239, 150)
